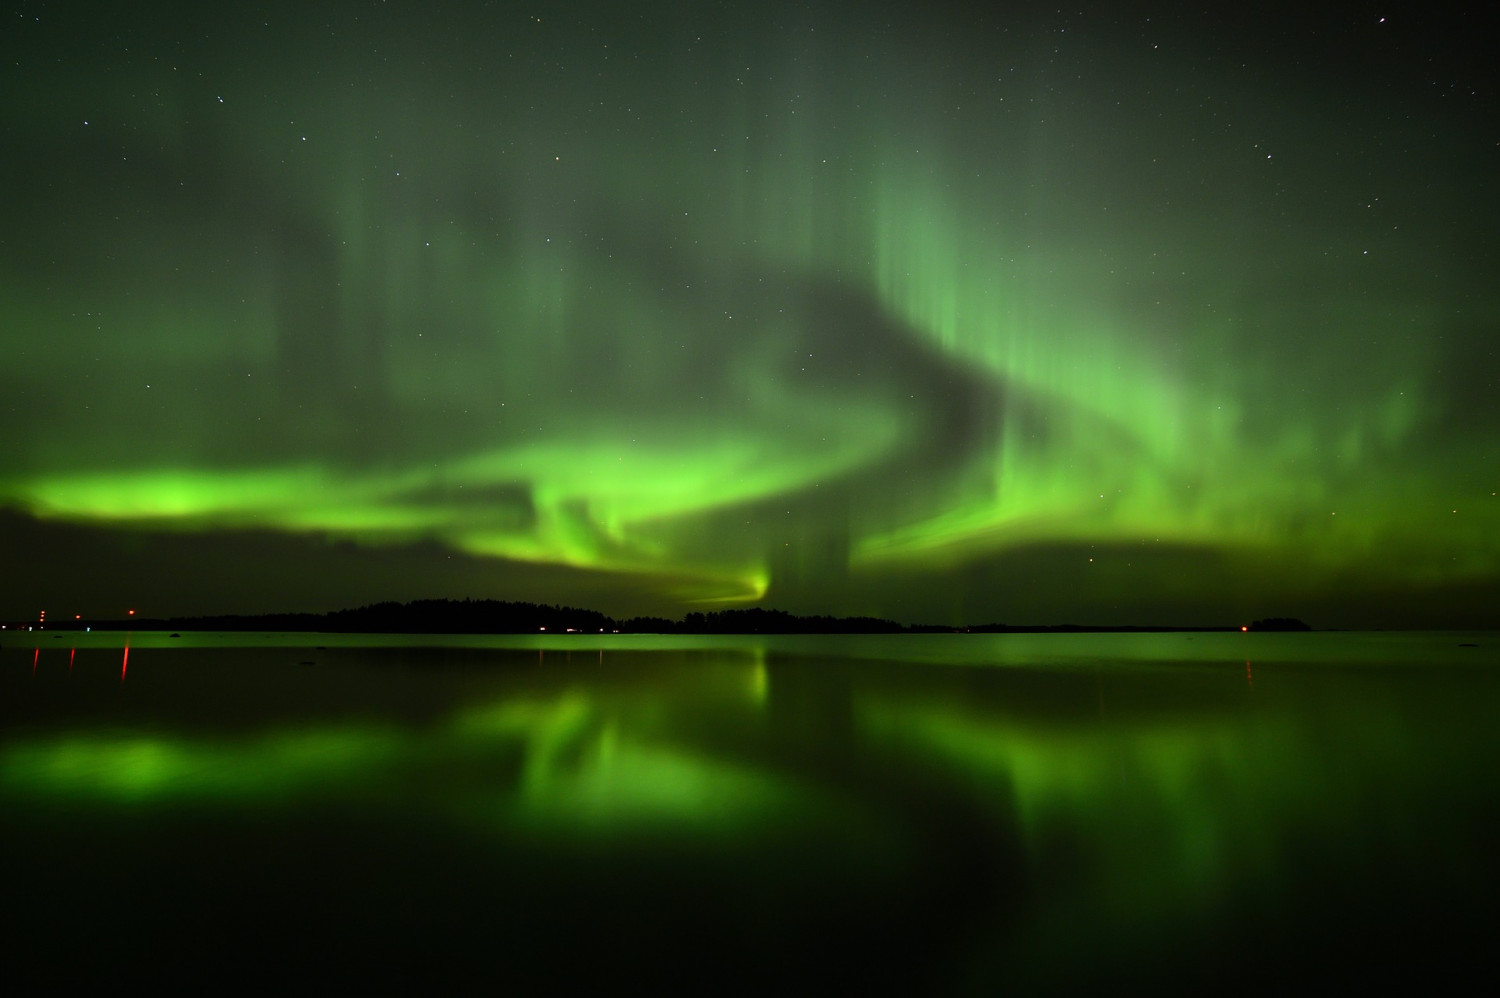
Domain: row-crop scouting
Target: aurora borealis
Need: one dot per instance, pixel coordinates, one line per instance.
(1136, 314)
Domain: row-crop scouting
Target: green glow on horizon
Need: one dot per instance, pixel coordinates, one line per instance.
(820, 323)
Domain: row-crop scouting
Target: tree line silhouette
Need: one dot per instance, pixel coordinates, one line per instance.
(487, 616)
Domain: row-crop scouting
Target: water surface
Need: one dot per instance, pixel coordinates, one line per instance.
(956, 813)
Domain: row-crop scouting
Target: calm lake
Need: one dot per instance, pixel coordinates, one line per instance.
(928, 813)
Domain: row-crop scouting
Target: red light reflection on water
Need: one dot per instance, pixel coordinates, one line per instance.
(71, 653)
(34, 656)
(1249, 677)
(125, 662)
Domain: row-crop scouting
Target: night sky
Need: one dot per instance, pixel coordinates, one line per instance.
(1127, 313)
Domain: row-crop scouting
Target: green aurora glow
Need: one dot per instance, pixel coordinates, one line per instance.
(1032, 316)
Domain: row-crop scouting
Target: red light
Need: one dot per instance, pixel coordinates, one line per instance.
(1244, 629)
(131, 612)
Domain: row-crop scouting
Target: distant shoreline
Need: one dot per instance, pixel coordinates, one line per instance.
(498, 617)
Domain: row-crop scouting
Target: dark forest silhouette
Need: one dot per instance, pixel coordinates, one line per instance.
(444, 616)
(1279, 624)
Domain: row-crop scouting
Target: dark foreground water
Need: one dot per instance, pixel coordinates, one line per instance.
(926, 813)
